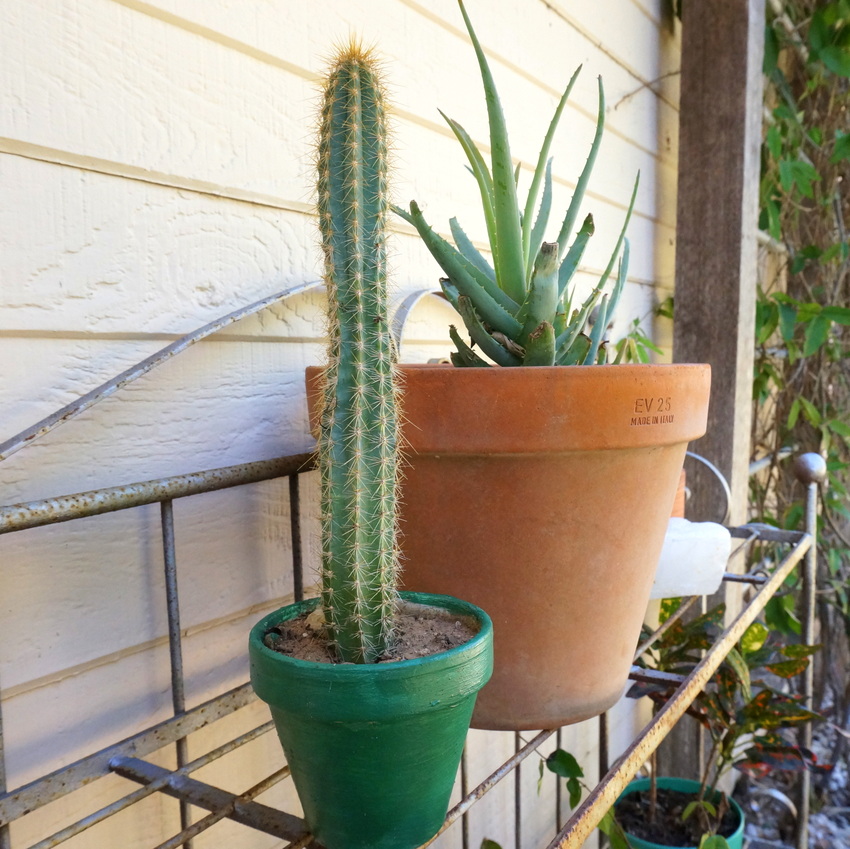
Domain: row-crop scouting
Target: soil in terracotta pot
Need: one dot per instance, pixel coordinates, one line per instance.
(668, 828)
(421, 630)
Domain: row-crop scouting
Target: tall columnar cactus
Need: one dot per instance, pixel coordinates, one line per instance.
(359, 429)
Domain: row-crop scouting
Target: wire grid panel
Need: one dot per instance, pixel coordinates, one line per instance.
(160, 762)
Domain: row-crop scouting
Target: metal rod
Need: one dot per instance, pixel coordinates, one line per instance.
(735, 578)
(30, 797)
(490, 782)
(517, 794)
(69, 411)
(591, 811)
(136, 796)
(225, 811)
(295, 536)
(175, 647)
(810, 470)
(603, 743)
(559, 821)
(32, 514)
(253, 814)
(5, 838)
(464, 789)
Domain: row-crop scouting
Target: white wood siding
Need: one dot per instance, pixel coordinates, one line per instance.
(155, 164)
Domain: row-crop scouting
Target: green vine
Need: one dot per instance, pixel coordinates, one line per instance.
(801, 389)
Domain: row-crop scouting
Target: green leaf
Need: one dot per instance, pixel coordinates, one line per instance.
(840, 315)
(713, 841)
(581, 184)
(465, 246)
(787, 320)
(795, 172)
(841, 147)
(539, 230)
(788, 668)
(543, 161)
(771, 50)
(779, 614)
(510, 266)
(741, 670)
(469, 280)
(793, 414)
(800, 650)
(573, 257)
(810, 412)
(574, 789)
(489, 844)
(481, 173)
(837, 59)
(614, 831)
(490, 346)
(754, 638)
(817, 333)
(564, 764)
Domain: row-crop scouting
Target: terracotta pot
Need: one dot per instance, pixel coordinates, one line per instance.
(542, 495)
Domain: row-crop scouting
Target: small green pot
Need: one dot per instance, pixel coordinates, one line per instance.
(373, 748)
(684, 785)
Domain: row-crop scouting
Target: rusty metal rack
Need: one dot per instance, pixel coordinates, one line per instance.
(127, 757)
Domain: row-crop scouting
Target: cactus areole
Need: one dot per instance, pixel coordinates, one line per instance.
(358, 444)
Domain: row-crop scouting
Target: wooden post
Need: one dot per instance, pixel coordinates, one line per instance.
(716, 253)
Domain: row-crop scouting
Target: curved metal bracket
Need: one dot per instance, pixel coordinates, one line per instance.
(403, 310)
(69, 411)
(724, 484)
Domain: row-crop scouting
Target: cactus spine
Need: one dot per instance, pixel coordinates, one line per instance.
(359, 430)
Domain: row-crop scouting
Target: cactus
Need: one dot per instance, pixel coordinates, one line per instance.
(519, 310)
(359, 429)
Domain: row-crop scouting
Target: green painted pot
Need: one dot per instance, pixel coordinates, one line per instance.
(374, 749)
(684, 785)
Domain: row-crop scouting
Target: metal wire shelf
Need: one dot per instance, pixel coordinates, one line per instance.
(127, 757)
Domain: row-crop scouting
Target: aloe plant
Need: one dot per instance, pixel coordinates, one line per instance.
(359, 426)
(519, 310)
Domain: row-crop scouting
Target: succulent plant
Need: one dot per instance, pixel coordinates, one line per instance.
(359, 426)
(519, 310)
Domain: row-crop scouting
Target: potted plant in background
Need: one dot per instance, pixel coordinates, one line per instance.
(536, 488)
(373, 747)
(744, 716)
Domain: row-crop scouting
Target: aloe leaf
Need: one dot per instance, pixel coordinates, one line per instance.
(468, 279)
(542, 163)
(539, 229)
(540, 346)
(510, 267)
(465, 356)
(465, 246)
(614, 254)
(574, 255)
(622, 274)
(542, 301)
(493, 349)
(565, 341)
(581, 185)
(480, 171)
(598, 329)
(576, 352)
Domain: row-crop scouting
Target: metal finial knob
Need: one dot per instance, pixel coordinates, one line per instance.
(810, 468)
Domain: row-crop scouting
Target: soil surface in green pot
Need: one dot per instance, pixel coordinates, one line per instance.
(373, 748)
(668, 829)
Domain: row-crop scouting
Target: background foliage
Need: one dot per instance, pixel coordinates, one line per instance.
(801, 389)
